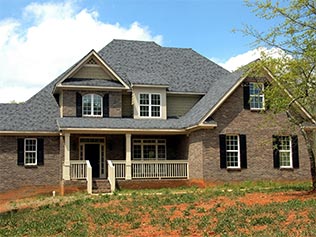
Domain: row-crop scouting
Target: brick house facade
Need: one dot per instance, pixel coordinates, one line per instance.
(141, 115)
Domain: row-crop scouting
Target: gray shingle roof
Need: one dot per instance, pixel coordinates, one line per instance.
(136, 62)
(145, 78)
(184, 70)
(39, 113)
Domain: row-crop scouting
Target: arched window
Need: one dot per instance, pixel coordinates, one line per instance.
(92, 105)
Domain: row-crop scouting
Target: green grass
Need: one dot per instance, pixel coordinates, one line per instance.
(183, 211)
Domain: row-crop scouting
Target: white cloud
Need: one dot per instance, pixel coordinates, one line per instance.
(56, 36)
(235, 62)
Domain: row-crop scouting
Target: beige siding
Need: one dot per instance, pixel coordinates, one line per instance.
(178, 105)
(127, 107)
(94, 72)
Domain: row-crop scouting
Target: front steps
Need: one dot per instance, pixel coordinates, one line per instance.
(100, 186)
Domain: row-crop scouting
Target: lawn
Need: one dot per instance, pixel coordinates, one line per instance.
(247, 209)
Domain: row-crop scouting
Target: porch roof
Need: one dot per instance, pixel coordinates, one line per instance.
(119, 123)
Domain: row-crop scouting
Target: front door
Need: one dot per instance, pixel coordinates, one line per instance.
(92, 153)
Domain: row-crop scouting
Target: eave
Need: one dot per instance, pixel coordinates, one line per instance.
(137, 131)
(29, 133)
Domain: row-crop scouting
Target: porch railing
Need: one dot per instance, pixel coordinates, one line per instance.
(81, 169)
(153, 169)
(111, 175)
(159, 169)
(119, 168)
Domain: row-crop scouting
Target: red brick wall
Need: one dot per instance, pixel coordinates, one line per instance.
(204, 156)
(13, 176)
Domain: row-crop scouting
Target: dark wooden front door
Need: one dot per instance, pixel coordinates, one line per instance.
(92, 153)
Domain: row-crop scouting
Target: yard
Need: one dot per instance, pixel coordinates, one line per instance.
(257, 209)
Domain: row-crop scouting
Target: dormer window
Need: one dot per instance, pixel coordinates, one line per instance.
(256, 96)
(92, 105)
(150, 105)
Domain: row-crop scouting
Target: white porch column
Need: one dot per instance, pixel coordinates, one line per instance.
(128, 157)
(66, 166)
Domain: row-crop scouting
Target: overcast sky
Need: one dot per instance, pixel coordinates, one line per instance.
(40, 39)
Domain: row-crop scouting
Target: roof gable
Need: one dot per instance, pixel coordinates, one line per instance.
(91, 71)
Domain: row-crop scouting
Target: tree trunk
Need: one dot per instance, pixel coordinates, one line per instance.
(311, 155)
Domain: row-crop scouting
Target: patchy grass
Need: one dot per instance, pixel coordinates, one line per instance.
(246, 209)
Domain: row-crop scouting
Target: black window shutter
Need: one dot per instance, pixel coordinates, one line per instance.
(78, 105)
(246, 96)
(222, 147)
(20, 151)
(106, 105)
(276, 154)
(266, 102)
(296, 163)
(243, 151)
(40, 151)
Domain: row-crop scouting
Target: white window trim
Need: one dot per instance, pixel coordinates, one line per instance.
(92, 107)
(25, 152)
(238, 151)
(144, 142)
(260, 95)
(150, 105)
(287, 151)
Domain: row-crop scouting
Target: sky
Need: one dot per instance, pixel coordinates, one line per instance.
(41, 39)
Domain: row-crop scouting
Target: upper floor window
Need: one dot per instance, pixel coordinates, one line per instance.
(92, 105)
(256, 95)
(150, 105)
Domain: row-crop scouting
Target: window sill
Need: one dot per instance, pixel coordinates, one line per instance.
(92, 116)
(257, 110)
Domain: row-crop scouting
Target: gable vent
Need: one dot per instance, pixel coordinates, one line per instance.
(92, 61)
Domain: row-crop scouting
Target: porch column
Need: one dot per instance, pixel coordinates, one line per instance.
(128, 157)
(66, 166)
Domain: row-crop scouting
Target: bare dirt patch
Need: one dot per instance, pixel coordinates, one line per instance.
(196, 218)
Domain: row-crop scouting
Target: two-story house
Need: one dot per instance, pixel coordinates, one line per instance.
(138, 113)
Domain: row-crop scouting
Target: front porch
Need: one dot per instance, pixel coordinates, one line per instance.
(146, 158)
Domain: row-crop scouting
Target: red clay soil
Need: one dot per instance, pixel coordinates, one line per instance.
(25, 198)
(27, 195)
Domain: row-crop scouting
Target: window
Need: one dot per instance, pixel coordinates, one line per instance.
(150, 105)
(233, 151)
(285, 152)
(30, 151)
(149, 149)
(92, 105)
(256, 95)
